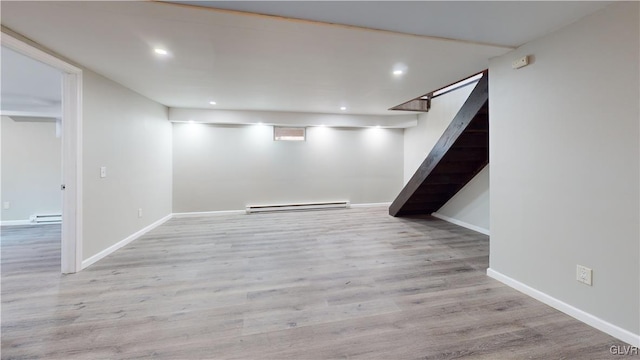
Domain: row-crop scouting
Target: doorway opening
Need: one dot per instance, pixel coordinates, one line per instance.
(42, 110)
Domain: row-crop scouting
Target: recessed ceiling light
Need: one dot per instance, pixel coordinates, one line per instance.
(212, 102)
(399, 69)
(160, 51)
(343, 108)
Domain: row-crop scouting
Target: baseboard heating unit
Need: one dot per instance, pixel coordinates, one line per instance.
(46, 218)
(299, 206)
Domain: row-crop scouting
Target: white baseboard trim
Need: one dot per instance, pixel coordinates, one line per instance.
(111, 249)
(370, 204)
(461, 223)
(235, 212)
(209, 213)
(591, 320)
(27, 222)
(16, 222)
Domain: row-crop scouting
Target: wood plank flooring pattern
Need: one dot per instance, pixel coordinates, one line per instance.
(339, 284)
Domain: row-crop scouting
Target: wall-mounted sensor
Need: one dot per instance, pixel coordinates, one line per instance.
(522, 62)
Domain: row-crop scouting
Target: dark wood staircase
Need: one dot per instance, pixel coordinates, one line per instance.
(461, 152)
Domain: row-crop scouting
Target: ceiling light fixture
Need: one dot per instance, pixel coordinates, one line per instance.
(212, 102)
(399, 69)
(191, 121)
(343, 108)
(160, 51)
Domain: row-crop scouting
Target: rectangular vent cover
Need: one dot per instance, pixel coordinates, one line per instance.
(46, 218)
(300, 206)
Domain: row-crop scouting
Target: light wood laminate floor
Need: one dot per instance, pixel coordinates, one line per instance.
(338, 284)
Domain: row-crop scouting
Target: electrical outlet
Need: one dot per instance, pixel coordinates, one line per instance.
(6, 205)
(103, 171)
(584, 275)
(140, 212)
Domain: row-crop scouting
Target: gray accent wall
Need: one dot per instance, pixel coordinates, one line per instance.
(228, 167)
(131, 136)
(31, 168)
(565, 161)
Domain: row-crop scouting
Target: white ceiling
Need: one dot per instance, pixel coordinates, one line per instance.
(251, 62)
(508, 23)
(29, 87)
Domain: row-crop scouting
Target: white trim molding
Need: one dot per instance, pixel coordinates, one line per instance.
(72, 172)
(113, 248)
(209, 213)
(37, 54)
(461, 223)
(387, 204)
(238, 212)
(585, 317)
(17, 222)
(35, 114)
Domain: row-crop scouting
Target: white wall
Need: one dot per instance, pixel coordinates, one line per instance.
(470, 206)
(564, 152)
(131, 136)
(419, 140)
(227, 167)
(31, 169)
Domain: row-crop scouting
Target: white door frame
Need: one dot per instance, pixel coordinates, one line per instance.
(71, 249)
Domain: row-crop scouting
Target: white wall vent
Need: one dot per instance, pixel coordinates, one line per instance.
(299, 206)
(46, 218)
